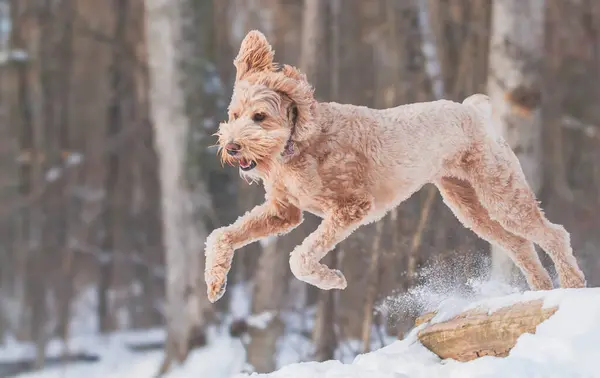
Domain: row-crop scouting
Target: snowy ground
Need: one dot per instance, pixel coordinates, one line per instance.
(223, 359)
(566, 345)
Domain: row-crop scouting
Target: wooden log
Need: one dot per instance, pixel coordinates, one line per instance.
(477, 333)
(425, 318)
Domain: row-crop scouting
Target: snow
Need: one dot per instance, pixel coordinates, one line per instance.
(53, 174)
(95, 345)
(264, 242)
(224, 358)
(565, 345)
(262, 320)
(15, 55)
(432, 62)
(74, 158)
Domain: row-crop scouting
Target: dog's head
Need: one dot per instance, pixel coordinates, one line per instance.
(271, 109)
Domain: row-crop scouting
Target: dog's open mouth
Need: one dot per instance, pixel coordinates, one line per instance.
(246, 165)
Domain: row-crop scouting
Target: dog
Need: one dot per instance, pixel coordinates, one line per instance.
(351, 164)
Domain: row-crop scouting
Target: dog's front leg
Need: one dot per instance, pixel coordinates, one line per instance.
(270, 218)
(337, 225)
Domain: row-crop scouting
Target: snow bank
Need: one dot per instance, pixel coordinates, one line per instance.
(224, 358)
(567, 345)
(88, 344)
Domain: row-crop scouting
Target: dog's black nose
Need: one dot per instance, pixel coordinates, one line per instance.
(232, 148)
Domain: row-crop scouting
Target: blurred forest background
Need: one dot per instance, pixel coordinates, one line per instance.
(109, 183)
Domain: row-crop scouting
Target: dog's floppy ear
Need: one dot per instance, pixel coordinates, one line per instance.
(256, 55)
(292, 84)
(301, 94)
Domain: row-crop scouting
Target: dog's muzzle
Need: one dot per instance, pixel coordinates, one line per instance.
(233, 149)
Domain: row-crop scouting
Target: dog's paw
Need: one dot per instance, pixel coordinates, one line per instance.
(219, 254)
(341, 282)
(216, 282)
(334, 279)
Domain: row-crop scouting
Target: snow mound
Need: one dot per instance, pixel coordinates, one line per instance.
(567, 345)
(224, 358)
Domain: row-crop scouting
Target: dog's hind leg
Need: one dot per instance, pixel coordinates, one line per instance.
(461, 198)
(497, 177)
(340, 221)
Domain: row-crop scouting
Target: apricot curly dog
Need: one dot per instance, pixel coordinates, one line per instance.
(351, 164)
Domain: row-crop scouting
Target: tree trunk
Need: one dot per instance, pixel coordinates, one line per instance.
(324, 335)
(372, 287)
(12, 179)
(319, 60)
(516, 51)
(554, 93)
(111, 205)
(316, 38)
(184, 233)
(65, 275)
(270, 285)
(32, 33)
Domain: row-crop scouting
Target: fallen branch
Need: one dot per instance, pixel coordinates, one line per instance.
(477, 333)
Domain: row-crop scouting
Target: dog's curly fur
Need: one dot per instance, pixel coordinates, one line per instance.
(351, 164)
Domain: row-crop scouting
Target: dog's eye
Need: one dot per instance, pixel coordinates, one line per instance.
(258, 117)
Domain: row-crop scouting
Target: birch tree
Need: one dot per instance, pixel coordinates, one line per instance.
(516, 49)
(184, 234)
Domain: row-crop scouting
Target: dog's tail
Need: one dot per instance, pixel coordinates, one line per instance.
(482, 105)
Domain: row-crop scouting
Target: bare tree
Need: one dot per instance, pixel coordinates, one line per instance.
(113, 203)
(184, 232)
(12, 266)
(516, 51)
(320, 44)
(40, 134)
